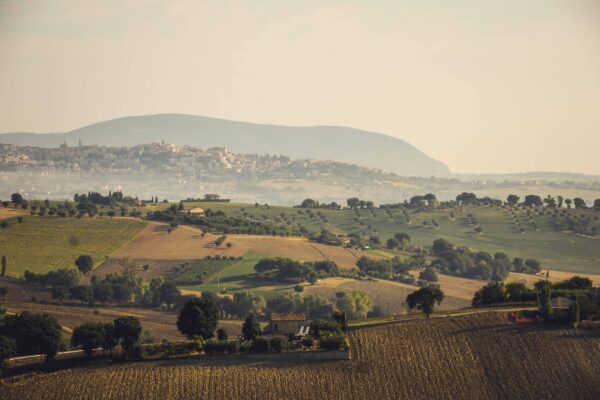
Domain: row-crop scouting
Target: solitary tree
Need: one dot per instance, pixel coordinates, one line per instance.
(127, 331)
(89, 336)
(198, 317)
(429, 275)
(579, 202)
(568, 202)
(3, 265)
(16, 198)
(392, 243)
(250, 329)
(532, 200)
(353, 202)
(84, 263)
(403, 238)
(168, 293)
(512, 199)
(424, 299)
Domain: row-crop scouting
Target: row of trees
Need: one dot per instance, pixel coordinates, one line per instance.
(310, 203)
(499, 292)
(579, 289)
(550, 201)
(290, 271)
(461, 261)
(325, 237)
(112, 288)
(355, 304)
(355, 203)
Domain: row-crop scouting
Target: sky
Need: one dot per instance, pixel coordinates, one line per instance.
(485, 86)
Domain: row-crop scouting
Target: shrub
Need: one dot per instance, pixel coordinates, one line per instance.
(245, 346)
(332, 342)
(181, 348)
(135, 352)
(260, 344)
(153, 349)
(278, 343)
(214, 346)
(232, 347)
(308, 341)
(320, 328)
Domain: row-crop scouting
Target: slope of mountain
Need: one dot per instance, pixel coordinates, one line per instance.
(335, 143)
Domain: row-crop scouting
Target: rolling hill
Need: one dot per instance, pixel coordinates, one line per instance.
(335, 143)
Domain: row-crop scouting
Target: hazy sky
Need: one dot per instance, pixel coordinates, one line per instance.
(485, 86)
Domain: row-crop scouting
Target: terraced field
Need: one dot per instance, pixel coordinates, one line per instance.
(469, 357)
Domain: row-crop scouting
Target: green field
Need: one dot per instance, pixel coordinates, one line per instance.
(41, 244)
(556, 250)
(232, 276)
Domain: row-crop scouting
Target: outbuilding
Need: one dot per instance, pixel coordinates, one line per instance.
(287, 324)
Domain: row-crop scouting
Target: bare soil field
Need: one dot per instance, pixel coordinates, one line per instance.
(160, 325)
(21, 293)
(186, 243)
(469, 357)
(388, 295)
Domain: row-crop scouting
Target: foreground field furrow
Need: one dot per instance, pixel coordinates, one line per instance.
(480, 356)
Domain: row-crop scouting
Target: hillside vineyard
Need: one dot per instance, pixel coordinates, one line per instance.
(470, 357)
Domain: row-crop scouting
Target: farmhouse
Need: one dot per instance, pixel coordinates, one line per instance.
(561, 303)
(287, 324)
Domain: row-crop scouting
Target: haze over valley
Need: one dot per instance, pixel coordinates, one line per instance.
(181, 156)
(299, 199)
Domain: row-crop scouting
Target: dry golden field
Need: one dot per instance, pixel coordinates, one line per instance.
(388, 295)
(469, 357)
(186, 242)
(554, 276)
(10, 213)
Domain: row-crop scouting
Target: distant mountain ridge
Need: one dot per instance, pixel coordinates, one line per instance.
(337, 143)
